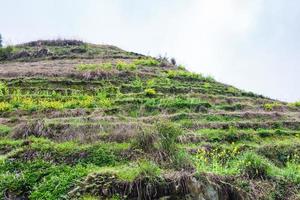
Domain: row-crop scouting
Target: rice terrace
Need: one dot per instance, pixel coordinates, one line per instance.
(86, 121)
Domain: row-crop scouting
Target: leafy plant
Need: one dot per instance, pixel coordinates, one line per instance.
(271, 106)
(120, 65)
(146, 62)
(150, 92)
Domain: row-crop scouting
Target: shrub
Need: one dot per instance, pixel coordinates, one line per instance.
(56, 105)
(150, 92)
(6, 52)
(183, 74)
(28, 104)
(271, 106)
(4, 106)
(295, 104)
(232, 90)
(120, 65)
(146, 62)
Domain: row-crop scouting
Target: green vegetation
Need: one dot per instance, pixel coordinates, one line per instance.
(6, 52)
(146, 62)
(94, 67)
(104, 123)
(271, 106)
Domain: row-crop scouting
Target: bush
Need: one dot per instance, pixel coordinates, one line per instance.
(120, 65)
(150, 92)
(6, 52)
(4, 106)
(146, 62)
(295, 104)
(271, 106)
(183, 74)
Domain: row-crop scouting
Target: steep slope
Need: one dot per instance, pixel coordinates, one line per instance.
(85, 121)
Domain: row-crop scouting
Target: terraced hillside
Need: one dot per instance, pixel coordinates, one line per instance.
(84, 121)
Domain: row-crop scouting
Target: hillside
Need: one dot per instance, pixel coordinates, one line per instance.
(85, 121)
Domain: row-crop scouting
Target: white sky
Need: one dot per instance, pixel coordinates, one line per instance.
(251, 44)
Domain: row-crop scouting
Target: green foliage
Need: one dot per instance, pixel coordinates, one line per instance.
(94, 67)
(3, 89)
(232, 90)
(124, 66)
(168, 133)
(120, 65)
(291, 172)
(254, 166)
(0, 41)
(4, 106)
(146, 140)
(57, 184)
(150, 92)
(271, 106)
(6, 52)
(181, 67)
(295, 104)
(148, 169)
(146, 62)
(183, 74)
(4, 130)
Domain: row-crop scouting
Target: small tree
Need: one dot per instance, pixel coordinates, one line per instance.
(0, 40)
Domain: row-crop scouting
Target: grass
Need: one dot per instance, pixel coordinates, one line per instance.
(151, 124)
(4, 130)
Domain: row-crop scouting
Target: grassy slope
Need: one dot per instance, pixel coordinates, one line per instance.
(84, 121)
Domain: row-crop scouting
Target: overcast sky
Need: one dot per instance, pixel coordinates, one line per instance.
(251, 44)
